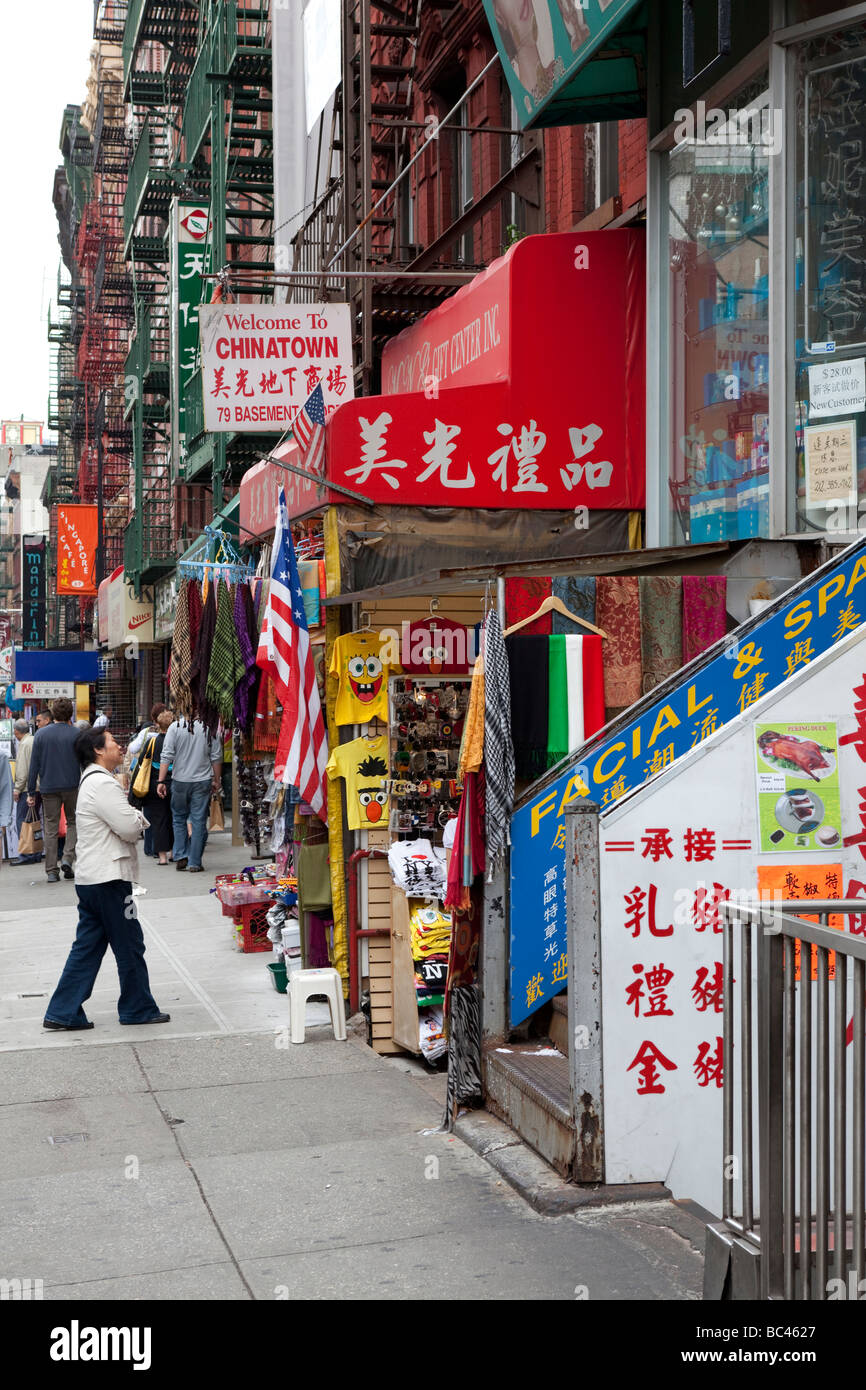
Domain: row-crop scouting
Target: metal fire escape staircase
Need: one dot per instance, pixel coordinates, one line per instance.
(158, 52)
(225, 158)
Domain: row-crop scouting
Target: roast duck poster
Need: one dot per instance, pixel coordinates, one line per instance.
(798, 788)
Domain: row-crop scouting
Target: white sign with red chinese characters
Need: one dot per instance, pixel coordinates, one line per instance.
(670, 854)
(261, 361)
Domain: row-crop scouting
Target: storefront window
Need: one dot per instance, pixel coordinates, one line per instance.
(827, 424)
(718, 236)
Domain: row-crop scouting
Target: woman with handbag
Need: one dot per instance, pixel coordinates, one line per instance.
(157, 810)
(106, 867)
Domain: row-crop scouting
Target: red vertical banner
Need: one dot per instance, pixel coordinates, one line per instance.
(77, 540)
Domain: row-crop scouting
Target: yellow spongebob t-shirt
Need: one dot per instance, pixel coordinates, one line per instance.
(356, 662)
(363, 764)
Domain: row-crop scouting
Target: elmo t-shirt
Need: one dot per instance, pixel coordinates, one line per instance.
(433, 645)
(363, 764)
(356, 662)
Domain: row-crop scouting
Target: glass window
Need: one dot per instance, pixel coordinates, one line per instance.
(827, 269)
(718, 240)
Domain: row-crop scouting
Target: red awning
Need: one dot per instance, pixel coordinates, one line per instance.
(526, 389)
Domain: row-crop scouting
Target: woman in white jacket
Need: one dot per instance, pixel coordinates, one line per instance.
(106, 865)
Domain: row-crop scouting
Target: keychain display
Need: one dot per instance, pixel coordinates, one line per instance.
(426, 726)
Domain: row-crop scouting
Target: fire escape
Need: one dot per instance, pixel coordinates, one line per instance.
(362, 228)
(225, 158)
(158, 50)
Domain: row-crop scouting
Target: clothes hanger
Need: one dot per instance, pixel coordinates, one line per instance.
(552, 604)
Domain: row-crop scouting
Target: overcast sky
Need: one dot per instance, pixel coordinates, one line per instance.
(47, 49)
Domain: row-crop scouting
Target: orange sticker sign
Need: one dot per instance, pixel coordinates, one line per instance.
(797, 882)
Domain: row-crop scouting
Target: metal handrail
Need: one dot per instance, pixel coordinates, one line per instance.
(803, 1225)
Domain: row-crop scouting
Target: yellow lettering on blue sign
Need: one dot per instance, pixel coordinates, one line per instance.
(537, 811)
(798, 619)
(665, 719)
(858, 573)
(573, 792)
(828, 591)
(598, 774)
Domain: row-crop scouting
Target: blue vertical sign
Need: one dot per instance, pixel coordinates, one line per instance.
(818, 616)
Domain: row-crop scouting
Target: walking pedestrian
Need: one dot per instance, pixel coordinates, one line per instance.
(7, 803)
(103, 720)
(105, 871)
(53, 763)
(142, 738)
(156, 807)
(24, 748)
(43, 718)
(196, 772)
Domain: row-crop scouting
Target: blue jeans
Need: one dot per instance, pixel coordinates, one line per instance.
(190, 801)
(106, 917)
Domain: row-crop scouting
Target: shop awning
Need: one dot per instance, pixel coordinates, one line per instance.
(524, 391)
(260, 488)
(568, 64)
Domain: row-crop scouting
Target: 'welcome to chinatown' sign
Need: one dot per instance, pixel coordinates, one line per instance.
(260, 362)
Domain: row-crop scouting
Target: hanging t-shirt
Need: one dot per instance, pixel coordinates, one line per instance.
(433, 645)
(357, 664)
(363, 764)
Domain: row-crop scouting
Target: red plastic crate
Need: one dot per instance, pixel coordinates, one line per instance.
(251, 921)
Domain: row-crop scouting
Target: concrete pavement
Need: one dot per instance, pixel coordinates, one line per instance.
(211, 1159)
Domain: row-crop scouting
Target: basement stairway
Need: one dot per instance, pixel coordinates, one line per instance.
(526, 1076)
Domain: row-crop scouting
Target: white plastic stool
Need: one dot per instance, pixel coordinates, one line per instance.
(302, 984)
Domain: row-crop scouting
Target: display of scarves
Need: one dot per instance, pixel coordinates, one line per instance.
(523, 597)
(528, 675)
(575, 693)
(245, 622)
(617, 612)
(201, 660)
(498, 748)
(226, 668)
(181, 655)
(704, 612)
(577, 592)
(661, 627)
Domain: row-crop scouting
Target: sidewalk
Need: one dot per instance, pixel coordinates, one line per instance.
(211, 1159)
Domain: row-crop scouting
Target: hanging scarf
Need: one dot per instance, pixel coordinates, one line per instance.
(704, 612)
(529, 675)
(195, 609)
(201, 661)
(181, 656)
(617, 611)
(467, 856)
(523, 597)
(661, 627)
(226, 668)
(472, 742)
(498, 749)
(577, 592)
(245, 622)
(266, 729)
(557, 702)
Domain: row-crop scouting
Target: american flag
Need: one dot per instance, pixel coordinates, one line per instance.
(284, 653)
(309, 431)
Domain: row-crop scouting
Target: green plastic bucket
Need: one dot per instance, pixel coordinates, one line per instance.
(279, 976)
